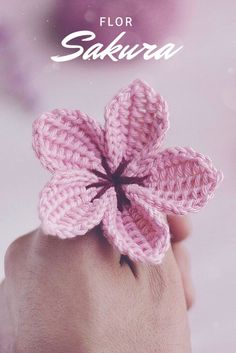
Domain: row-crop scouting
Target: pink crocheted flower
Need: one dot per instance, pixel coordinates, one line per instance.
(116, 176)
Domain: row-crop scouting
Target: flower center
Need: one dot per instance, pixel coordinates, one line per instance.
(116, 180)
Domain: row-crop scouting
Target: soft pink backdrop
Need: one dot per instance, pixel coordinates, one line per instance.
(200, 87)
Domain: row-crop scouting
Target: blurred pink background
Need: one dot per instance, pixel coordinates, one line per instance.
(200, 86)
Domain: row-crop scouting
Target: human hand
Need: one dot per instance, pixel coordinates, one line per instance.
(76, 296)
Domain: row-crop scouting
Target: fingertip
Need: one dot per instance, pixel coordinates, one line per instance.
(183, 260)
(180, 227)
(189, 296)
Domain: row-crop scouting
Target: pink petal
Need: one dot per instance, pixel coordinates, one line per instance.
(67, 208)
(179, 180)
(67, 139)
(136, 121)
(137, 232)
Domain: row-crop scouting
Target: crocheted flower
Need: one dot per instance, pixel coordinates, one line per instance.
(115, 176)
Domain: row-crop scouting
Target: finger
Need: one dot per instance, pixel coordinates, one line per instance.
(180, 227)
(183, 262)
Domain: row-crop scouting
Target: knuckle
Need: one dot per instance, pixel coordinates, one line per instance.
(163, 278)
(15, 255)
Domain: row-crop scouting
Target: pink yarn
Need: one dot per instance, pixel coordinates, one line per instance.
(116, 176)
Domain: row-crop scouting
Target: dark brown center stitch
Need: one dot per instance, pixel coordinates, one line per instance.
(116, 180)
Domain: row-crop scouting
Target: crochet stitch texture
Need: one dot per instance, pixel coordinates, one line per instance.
(116, 176)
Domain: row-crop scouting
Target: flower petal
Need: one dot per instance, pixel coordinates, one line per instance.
(138, 231)
(67, 208)
(136, 120)
(64, 139)
(179, 180)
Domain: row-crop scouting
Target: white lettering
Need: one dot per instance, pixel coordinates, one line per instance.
(130, 53)
(119, 21)
(102, 20)
(112, 48)
(65, 44)
(93, 52)
(129, 22)
(116, 21)
(115, 51)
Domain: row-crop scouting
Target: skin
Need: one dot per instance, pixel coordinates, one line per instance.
(75, 296)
